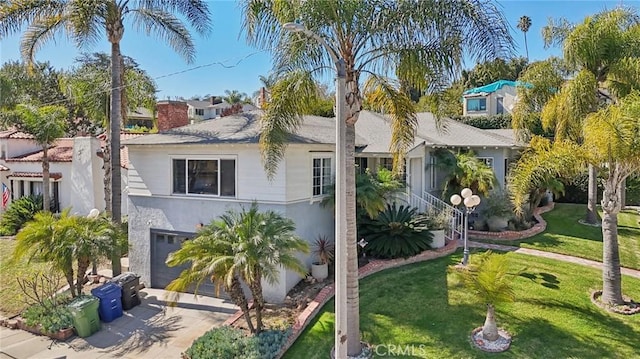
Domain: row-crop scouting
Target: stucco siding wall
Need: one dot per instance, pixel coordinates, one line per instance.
(298, 164)
(498, 161)
(184, 214)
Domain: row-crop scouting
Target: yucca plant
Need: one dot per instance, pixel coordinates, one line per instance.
(396, 232)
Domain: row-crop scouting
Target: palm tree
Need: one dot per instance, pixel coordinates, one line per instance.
(524, 24)
(468, 172)
(83, 21)
(603, 52)
(247, 245)
(421, 43)
(236, 97)
(489, 279)
(40, 240)
(46, 124)
(613, 145)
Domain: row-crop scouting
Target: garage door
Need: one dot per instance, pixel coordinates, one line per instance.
(163, 243)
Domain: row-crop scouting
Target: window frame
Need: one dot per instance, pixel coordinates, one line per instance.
(479, 99)
(484, 159)
(188, 158)
(322, 156)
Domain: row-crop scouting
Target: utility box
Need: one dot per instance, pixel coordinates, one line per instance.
(129, 283)
(84, 311)
(110, 301)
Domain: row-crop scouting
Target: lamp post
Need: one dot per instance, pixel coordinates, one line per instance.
(340, 191)
(470, 201)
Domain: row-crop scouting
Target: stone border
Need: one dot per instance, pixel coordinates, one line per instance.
(537, 228)
(633, 307)
(372, 267)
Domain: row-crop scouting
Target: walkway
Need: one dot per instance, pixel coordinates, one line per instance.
(556, 256)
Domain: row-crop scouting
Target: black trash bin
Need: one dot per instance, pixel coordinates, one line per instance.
(129, 282)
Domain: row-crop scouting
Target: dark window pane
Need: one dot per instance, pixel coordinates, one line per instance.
(179, 178)
(203, 176)
(228, 178)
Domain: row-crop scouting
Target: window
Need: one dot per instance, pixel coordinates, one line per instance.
(362, 164)
(433, 177)
(199, 112)
(215, 177)
(321, 176)
(476, 104)
(387, 163)
(487, 161)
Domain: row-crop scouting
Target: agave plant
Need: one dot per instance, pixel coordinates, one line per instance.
(396, 232)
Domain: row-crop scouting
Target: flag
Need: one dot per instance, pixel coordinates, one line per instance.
(5, 195)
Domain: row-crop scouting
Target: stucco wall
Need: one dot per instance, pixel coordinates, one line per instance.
(183, 214)
(508, 93)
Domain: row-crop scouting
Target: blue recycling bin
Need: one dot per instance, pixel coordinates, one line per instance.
(110, 301)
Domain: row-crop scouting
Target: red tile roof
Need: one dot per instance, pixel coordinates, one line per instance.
(52, 175)
(13, 133)
(61, 152)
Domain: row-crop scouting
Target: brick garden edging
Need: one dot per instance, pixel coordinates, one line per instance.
(372, 267)
(537, 228)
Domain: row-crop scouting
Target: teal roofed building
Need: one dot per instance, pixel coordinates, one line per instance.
(493, 99)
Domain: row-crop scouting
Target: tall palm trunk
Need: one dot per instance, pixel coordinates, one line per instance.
(46, 205)
(237, 295)
(611, 277)
(526, 46)
(68, 275)
(115, 31)
(592, 192)
(353, 296)
(490, 329)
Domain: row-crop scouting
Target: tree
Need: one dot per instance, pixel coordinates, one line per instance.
(418, 42)
(83, 21)
(491, 71)
(46, 124)
(489, 279)
(35, 84)
(248, 245)
(62, 238)
(236, 97)
(524, 23)
(603, 50)
(612, 141)
(465, 170)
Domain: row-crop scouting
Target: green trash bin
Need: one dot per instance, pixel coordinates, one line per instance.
(84, 311)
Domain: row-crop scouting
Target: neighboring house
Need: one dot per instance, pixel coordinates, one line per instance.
(188, 176)
(75, 168)
(493, 99)
(207, 110)
(140, 117)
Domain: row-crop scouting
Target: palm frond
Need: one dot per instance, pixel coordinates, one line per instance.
(167, 27)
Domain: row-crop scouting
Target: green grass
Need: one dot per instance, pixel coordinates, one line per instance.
(423, 304)
(12, 299)
(566, 236)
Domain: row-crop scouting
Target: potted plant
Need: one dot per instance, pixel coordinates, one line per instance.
(437, 222)
(322, 249)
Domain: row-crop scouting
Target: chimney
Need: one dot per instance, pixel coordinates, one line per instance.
(212, 100)
(172, 114)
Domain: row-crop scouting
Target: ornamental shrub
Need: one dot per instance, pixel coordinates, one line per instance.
(230, 343)
(396, 232)
(18, 213)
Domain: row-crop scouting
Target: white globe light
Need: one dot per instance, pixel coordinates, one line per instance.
(476, 200)
(468, 202)
(466, 193)
(94, 213)
(455, 199)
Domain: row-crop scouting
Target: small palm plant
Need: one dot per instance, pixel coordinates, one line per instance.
(489, 279)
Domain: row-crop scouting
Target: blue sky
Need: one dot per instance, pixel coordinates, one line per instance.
(229, 63)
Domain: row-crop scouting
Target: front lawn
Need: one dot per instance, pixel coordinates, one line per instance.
(424, 306)
(12, 300)
(565, 235)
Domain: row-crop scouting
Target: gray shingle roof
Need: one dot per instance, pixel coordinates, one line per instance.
(457, 134)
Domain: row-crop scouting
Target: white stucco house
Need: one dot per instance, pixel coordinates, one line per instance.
(76, 170)
(187, 176)
(493, 99)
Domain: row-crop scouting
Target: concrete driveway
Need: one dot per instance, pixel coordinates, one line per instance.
(151, 330)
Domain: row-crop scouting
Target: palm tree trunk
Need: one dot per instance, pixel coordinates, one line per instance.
(611, 277)
(83, 265)
(115, 34)
(526, 46)
(490, 329)
(46, 205)
(592, 215)
(255, 284)
(353, 296)
(106, 159)
(68, 275)
(237, 295)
